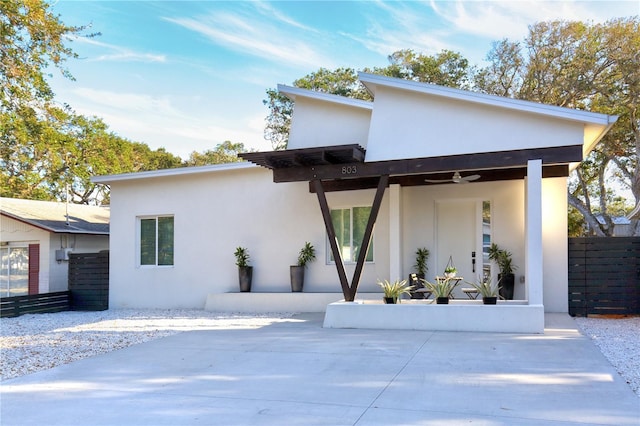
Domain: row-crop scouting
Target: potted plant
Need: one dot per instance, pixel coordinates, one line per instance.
(505, 264)
(307, 254)
(441, 289)
(245, 272)
(393, 291)
(422, 255)
(450, 271)
(488, 291)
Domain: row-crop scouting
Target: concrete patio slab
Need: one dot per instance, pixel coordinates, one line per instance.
(298, 373)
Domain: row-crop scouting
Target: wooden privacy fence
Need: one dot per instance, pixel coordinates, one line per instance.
(89, 281)
(604, 276)
(15, 306)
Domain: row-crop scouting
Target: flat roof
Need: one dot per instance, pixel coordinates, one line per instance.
(179, 171)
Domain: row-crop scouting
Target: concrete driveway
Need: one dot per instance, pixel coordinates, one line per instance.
(297, 373)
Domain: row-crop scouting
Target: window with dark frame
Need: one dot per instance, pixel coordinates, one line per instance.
(156, 241)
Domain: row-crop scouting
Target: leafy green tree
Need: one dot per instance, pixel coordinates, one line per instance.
(584, 66)
(226, 152)
(47, 151)
(446, 68)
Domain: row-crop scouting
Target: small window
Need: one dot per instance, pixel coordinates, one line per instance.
(156, 241)
(350, 225)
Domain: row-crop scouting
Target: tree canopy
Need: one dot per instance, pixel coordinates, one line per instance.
(578, 65)
(592, 67)
(226, 152)
(47, 149)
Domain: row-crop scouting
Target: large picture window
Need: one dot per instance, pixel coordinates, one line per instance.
(350, 225)
(156, 241)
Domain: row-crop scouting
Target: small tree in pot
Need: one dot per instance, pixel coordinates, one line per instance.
(422, 255)
(245, 272)
(307, 254)
(505, 263)
(421, 268)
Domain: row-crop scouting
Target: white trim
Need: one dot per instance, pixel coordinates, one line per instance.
(293, 92)
(180, 171)
(372, 80)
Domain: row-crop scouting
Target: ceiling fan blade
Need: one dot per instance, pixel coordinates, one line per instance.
(471, 178)
(457, 178)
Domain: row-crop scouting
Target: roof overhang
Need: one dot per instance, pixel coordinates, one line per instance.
(347, 163)
(55, 227)
(295, 92)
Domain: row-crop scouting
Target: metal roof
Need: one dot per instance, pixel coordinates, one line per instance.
(51, 216)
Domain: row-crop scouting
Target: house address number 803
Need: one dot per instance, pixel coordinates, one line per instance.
(349, 170)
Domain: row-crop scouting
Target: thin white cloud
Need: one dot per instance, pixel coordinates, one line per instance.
(511, 19)
(120, 53)
(267, 9)
(405, 27)
(158, 122)
(263, 33)
(429, 27)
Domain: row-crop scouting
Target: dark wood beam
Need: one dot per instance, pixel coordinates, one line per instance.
(366, 238)
(518, 173)
(333, 241)
(478, 161)
(350, 290)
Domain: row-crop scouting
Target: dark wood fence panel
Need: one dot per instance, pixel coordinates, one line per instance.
(604, 276)
(89, 281)
(34, 304)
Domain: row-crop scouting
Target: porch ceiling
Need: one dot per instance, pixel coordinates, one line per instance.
(344, 167)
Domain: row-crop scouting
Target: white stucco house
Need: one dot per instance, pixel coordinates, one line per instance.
(36, 238)
(391, 162)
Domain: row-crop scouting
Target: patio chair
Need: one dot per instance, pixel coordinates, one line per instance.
(419, 291)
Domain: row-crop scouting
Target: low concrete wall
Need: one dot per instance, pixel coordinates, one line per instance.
(459, 315)
(252, 302)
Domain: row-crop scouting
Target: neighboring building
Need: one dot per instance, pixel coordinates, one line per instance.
(36, 238)
(621, 226)
(173, 232)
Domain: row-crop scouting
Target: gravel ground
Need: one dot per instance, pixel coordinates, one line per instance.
(619, 341)
(31, 343)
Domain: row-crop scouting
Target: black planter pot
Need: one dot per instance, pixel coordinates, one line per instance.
(245, 273)
(490, 300)
(442, 300)
(389, 300)
(297, 278)
(507, 283)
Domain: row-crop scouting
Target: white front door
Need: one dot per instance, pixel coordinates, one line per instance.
(459, 237)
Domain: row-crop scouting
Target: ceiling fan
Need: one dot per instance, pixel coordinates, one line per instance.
(457, 178)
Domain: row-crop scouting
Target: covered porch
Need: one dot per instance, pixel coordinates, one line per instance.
(431, 157)
(342, 168)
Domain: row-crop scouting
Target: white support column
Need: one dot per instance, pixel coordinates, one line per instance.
(395, 232)
(533, 232)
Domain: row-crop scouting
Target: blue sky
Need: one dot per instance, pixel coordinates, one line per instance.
(188, 75)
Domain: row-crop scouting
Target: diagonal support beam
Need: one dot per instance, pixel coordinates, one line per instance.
(366, 239)
(350, 291)
(333, 240)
